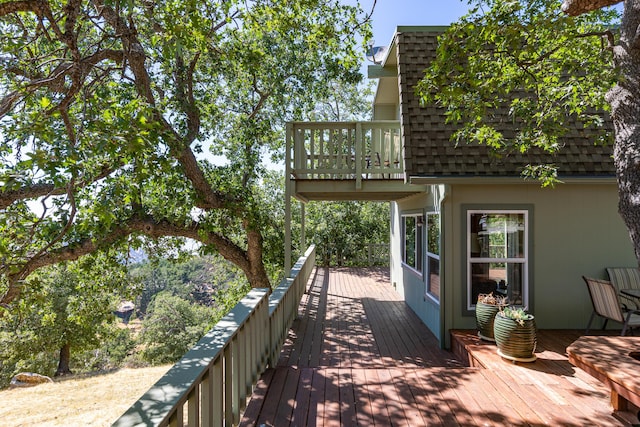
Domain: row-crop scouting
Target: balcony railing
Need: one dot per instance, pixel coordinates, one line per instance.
(344, 150)
(209, 386)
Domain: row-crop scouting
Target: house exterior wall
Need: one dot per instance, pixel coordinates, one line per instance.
(406, 281)
(575, 231)
(385, 112)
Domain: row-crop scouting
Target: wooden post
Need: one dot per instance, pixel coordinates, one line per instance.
(359, 149)
(287, 198)
(618, 402)
(206, 393)
(303, 237)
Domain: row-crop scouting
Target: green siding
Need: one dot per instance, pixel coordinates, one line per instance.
(576, 231)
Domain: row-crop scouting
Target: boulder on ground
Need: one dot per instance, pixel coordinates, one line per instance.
(29, 379)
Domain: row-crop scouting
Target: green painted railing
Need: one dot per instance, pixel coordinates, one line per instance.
(284, 301)
(209, 386)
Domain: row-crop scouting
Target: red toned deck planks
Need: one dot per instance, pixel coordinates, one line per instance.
(358, 355)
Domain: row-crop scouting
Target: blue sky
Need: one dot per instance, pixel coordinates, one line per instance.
(389, 14)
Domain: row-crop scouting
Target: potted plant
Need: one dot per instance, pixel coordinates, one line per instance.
(515, 333)
(487, 307)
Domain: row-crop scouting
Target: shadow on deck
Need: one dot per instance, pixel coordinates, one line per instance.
(358, 355)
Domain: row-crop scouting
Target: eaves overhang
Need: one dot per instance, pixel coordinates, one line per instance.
(506, 180)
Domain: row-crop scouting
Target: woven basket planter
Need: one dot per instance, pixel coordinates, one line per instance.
(515, 342)
(485, 313)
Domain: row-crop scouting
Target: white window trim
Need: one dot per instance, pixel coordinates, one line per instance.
(420, 229)
(428, 255)
(524, 260)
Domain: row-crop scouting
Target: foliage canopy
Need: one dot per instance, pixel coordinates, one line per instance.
(107, 109)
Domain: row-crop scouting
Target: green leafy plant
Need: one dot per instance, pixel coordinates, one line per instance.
(171, 327)
(518, 314)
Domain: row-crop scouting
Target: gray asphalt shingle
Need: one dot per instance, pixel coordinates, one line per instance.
(429, 150)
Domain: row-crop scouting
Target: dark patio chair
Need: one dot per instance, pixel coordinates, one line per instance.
(606, 304)
(625, 278)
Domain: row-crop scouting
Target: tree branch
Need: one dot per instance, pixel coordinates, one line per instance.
(208, 197)
(7, 197)
(133, 50)
(135, 55)
(263, 98)
(603, 34)
(137, 224)
(579, 7)
(72, 214)
(185, 96)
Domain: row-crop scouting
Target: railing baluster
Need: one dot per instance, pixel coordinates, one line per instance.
(228, 384)
(338, 145)
(177, 419)
(206, 403)
(312, 150)
(217, 396)
(193, 408)
(253, 354)
(235, 381)
(321, 153)
(240, 360)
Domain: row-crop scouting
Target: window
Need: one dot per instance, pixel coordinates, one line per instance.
(497, 258)
(433, 255)
(412, 245)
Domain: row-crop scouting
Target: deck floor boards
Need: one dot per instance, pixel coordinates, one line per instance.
(358, 355)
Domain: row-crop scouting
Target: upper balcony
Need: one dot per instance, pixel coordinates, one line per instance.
(347, 161)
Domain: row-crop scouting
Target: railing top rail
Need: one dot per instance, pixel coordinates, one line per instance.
(156, 405)
(295, 270)
(279, 293)
(343, 123)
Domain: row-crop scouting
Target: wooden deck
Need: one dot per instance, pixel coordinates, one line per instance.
(357, 355)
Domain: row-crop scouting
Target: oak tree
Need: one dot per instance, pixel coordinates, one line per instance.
(66, 309)
(111, 113)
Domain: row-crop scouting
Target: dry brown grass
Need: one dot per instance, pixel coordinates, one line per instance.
(92, 401)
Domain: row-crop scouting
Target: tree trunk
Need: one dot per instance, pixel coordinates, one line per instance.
(624, 99)
(256, 273)
(63, 362)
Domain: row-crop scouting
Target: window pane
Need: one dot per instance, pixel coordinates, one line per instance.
(419, 248)
(515, 236)
(433, 285)
(410, 240)
(499, 278)
(433, 234)
(499, 236)
(497, 255)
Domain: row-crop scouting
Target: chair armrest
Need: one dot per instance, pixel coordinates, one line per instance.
(629, 303)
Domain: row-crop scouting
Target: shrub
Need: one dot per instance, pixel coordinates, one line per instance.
(172, 326)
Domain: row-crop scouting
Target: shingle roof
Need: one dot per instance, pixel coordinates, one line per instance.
(429, 150)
